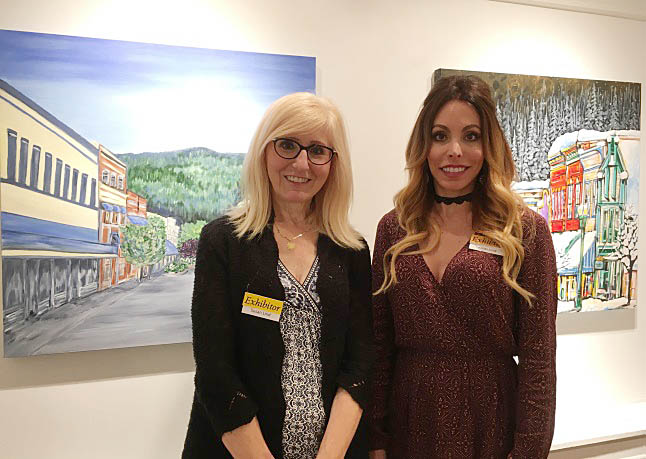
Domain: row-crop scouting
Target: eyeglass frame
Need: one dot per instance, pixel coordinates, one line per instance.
(307, 150)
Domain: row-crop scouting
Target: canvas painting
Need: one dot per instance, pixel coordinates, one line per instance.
(576, 147)
(113, 156)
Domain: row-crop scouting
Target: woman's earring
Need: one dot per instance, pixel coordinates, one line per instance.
(482, 175)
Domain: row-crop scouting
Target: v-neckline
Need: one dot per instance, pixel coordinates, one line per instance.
(446, 268)
(309, 273)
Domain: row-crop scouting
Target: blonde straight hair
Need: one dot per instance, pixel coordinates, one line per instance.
(297, 114)
(496, 208)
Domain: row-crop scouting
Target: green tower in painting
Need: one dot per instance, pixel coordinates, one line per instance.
(611, 192)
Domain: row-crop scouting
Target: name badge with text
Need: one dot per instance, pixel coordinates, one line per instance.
(484, 244)
(262, 306)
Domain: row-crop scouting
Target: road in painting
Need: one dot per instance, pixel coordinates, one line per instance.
(113, 155)
(576, 147)
(156, 312)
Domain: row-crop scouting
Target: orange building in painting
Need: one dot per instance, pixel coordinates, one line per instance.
(112, 216)
(136, 206)
(136, 214)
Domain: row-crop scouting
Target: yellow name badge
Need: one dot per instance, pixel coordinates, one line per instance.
(261, 306)
(484, 244)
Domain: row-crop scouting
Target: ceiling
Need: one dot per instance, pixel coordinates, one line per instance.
(629, 9)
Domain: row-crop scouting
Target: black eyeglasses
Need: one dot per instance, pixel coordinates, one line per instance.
(290, 149)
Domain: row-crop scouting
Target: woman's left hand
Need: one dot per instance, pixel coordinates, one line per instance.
(344, 418)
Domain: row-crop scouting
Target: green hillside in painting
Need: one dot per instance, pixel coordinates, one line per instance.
(190, 184)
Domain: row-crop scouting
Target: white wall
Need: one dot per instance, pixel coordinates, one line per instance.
(375, 59)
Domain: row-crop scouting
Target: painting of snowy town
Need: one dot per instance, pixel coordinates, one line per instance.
(576, 147)
(113, 156)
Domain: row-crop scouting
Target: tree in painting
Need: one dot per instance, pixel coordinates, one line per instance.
(144, 245)
(191, 185)
(627, 251)
(563, 258)
(190, 230)
(189, 249)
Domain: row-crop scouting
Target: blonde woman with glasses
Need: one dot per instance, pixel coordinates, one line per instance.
(282, 327)
(465, 280)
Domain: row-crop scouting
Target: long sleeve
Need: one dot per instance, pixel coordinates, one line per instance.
(384, 342)
(536, 344)
(356, 366)
(217, 383)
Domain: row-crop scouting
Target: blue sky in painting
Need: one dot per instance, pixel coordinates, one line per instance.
(136, 97)
(630, 152)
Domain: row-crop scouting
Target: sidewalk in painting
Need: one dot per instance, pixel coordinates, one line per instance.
(131, 314)
(594, 304)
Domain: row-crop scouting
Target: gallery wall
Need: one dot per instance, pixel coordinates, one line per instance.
(375, 59)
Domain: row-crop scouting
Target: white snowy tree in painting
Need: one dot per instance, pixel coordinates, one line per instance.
(614, 109)
(627, 251)
(563, 259)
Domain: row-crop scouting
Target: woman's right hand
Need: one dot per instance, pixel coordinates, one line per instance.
(246, 442)
(377, 454)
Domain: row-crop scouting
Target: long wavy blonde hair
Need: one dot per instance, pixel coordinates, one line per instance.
(299, 113)
(496, 208)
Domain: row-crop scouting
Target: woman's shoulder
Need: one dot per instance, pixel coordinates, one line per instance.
(535, 228)
(389, 222)
(389, 228)
(219, 229)
(532, 220)
(343, 250)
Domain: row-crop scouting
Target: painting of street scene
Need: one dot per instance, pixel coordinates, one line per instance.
(576, 146)
(113, 156)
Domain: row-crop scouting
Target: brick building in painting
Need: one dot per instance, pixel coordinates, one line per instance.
(136, 209)
(112, 217)
(137, 214)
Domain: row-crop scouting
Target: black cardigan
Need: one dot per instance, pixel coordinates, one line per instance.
(239, 357)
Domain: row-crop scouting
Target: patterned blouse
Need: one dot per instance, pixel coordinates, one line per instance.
(300, 327)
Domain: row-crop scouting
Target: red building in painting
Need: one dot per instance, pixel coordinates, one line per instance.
(574, 187)
(557, 191)
(136, 208)
(137, 212)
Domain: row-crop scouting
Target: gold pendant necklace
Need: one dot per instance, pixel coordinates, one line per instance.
(290, 241)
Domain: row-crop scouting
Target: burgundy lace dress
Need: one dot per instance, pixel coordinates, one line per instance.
(446, 383)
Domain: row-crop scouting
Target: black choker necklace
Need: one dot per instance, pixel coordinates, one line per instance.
(456, 200)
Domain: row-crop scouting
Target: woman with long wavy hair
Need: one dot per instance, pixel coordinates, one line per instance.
(464, 276)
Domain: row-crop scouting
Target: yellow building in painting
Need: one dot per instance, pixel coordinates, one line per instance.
(50, 221)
